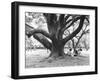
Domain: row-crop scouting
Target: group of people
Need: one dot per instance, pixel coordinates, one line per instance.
(72, 52)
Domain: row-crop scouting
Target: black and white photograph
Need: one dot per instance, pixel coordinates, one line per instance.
(56, 40)
(51, 40)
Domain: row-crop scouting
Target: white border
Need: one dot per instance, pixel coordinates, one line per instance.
(53, 70)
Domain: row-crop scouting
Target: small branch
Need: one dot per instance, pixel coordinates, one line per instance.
(83, 33)
(87, 20)
(66, 18)
(87, 31)
(68, 22)
(79, 39)
(28, 26)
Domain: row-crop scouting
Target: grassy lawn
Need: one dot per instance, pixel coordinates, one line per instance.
(34, 60)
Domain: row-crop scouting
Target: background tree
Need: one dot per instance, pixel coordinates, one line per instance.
(57, 24)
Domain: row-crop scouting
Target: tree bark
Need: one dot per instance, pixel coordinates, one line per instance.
(55, 52)
(57, 49)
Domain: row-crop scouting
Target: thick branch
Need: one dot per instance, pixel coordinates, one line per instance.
(73, 21)
(43, 41)
(64, 28)
(30, 33)
(76, 31)
(61, 20)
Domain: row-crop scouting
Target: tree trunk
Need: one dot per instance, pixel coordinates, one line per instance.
(57, 50)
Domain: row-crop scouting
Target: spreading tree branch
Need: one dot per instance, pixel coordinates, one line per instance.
(43, 40)
(76, 31)
(32, 32)
(39, 35)
(73, 21)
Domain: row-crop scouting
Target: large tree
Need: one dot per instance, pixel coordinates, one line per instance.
(57, 24)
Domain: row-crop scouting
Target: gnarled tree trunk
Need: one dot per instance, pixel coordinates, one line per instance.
(57, 49)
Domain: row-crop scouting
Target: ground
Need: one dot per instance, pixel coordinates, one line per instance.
(34, 59)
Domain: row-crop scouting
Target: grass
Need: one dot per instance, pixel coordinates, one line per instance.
(34, 60)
